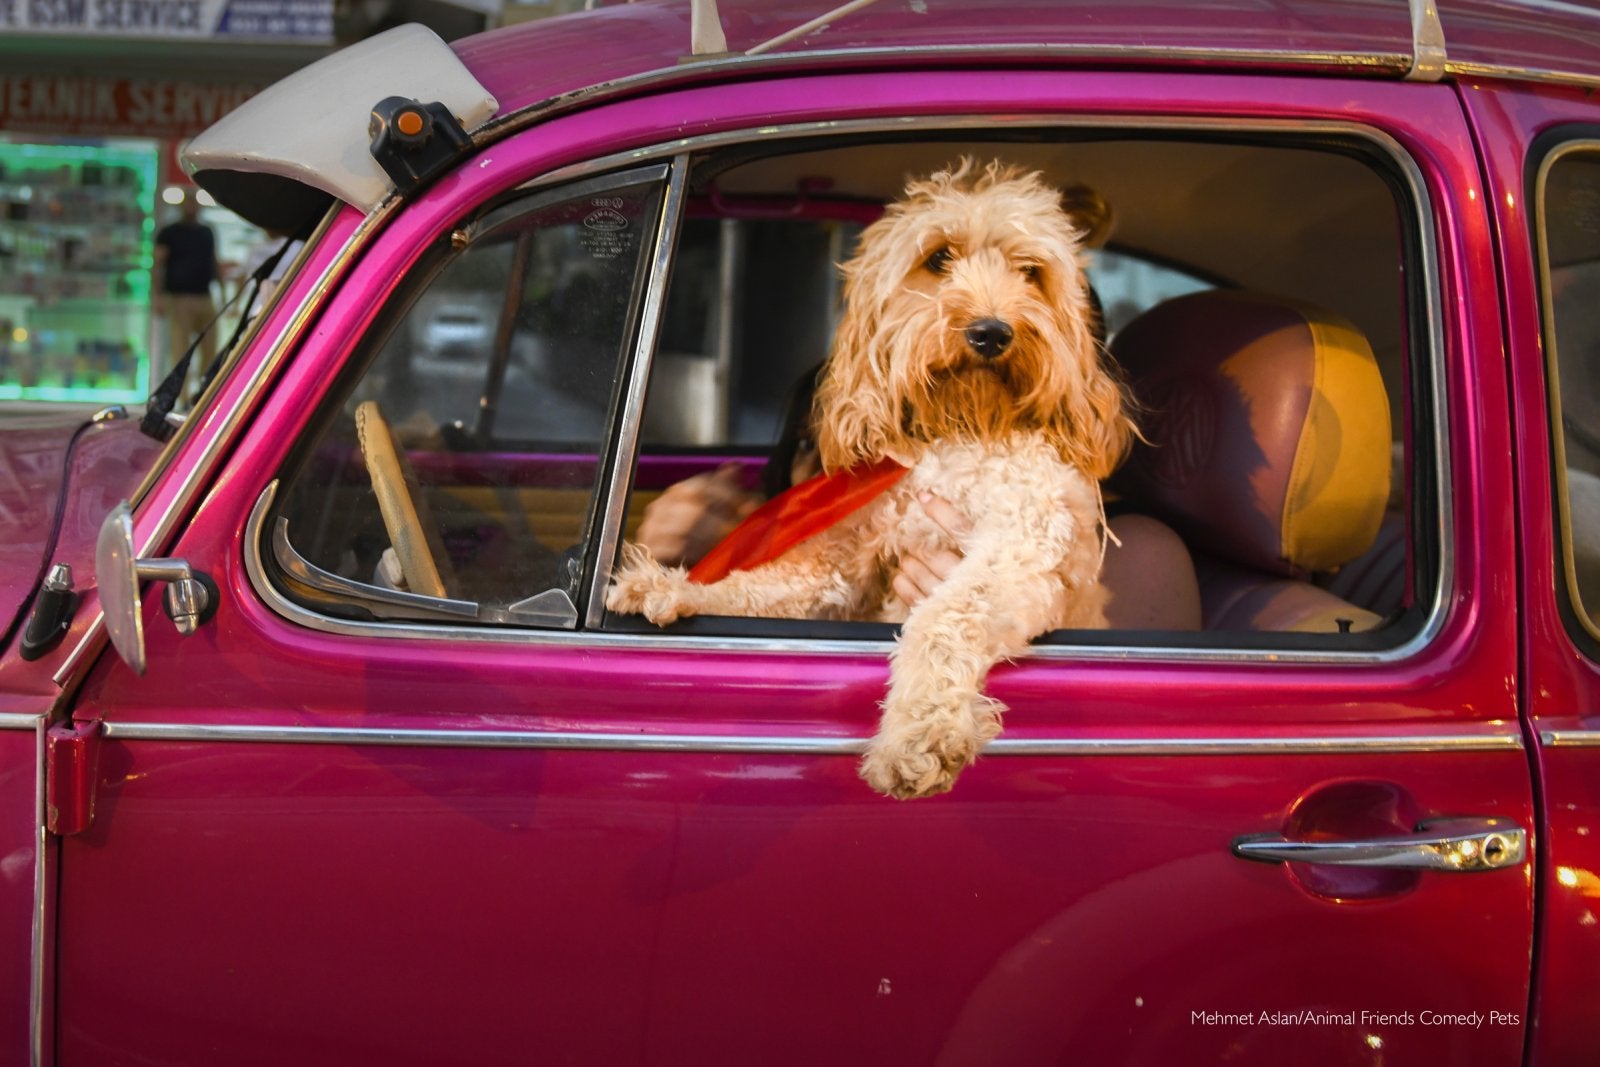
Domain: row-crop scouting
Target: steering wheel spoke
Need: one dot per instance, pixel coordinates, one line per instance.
(406, 516)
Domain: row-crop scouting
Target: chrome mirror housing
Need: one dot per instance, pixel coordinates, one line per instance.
(191, 596)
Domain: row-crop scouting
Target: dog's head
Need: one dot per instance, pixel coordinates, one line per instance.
(967, 314)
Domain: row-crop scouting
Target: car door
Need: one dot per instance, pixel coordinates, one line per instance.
(348, 820)
(1543, 153)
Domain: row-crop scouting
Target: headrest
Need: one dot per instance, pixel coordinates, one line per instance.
(1267, 426)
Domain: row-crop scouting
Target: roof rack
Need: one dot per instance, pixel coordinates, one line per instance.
(706, 36)
(1428, 58)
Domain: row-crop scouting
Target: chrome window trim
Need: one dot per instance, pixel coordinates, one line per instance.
(615, 507)
(1466, 739)
(1420, 204)
(375, 599)
(20, 720)
(1562, 518)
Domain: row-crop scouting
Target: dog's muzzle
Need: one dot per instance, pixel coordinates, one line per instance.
(988, 337)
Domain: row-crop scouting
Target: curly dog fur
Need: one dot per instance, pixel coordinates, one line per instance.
(967, 353)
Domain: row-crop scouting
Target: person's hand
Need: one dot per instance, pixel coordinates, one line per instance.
(689, 518)
(921, 572)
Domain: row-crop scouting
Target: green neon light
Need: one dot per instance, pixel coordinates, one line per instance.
(77, 233)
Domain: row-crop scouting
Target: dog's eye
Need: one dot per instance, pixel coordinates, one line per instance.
(1030, 271)
(939, 261)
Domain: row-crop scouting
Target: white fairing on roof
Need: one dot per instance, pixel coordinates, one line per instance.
(311, 127)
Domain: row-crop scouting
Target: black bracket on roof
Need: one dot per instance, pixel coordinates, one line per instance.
(415, 142)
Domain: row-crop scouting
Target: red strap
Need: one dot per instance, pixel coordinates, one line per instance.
(795, 515)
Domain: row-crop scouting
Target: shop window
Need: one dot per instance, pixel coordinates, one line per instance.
(76, 231)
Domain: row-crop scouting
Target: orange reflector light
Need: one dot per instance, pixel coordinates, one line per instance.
(409, 123)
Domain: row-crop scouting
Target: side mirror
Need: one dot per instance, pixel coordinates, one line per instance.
(191, 596)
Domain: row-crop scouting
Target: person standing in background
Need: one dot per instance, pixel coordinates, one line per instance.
(185, 267)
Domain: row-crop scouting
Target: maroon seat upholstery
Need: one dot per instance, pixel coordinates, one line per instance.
(1268, 450)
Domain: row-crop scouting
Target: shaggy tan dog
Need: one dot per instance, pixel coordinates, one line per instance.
(966, 353)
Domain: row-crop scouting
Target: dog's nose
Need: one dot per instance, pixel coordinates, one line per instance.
(988, 337)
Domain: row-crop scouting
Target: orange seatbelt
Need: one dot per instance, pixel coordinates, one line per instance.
(795, 515)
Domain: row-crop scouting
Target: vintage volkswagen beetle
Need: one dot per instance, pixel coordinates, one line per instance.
(392, 785)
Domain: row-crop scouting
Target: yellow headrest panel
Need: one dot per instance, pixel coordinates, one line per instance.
(1268, 429)
(1340, 480)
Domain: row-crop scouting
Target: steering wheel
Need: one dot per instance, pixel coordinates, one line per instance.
(409, 525)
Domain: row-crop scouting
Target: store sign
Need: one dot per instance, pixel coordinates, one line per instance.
(272, 20)
(124, 107)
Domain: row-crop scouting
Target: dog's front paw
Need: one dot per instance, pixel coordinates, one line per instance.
(919, 751)
(641, 586)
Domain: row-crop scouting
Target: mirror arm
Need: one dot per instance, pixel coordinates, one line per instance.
(191, 597)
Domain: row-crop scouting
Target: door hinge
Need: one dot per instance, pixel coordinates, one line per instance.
(72, 761)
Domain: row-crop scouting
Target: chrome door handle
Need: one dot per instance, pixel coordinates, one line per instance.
(1440, 845)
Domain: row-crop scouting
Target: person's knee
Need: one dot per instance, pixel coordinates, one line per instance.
(1150, 577)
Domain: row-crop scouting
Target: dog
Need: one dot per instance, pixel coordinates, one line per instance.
(967, 355)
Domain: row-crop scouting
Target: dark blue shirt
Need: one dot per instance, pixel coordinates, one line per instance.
(191, 257)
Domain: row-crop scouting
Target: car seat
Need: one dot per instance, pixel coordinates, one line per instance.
(1267, 447)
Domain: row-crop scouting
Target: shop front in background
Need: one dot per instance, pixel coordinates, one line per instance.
(77, 227)
(88, 177)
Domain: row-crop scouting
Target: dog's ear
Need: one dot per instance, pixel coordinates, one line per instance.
(853, 416)
(856, 416)
(1091, 215)
(1104, 427)
(1092, 426)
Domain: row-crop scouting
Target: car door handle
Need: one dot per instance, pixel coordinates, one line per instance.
(1461, 845)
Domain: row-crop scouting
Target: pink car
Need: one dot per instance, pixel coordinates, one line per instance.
(319, 746)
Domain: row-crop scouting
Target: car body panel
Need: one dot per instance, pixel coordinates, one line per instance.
(1563, 681)
(107, 461)
(717, 858)
(1554, 40)
(699, 906)
(624, 42)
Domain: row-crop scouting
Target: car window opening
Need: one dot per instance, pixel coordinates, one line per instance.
(497, 386)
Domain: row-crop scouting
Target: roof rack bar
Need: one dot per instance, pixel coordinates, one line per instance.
(804, 28)
(1428, 56)
(705, 29)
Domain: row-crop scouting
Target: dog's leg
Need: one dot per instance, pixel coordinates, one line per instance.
(1006, 591)
(825, 577)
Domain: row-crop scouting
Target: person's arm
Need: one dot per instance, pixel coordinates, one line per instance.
(689, 518)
